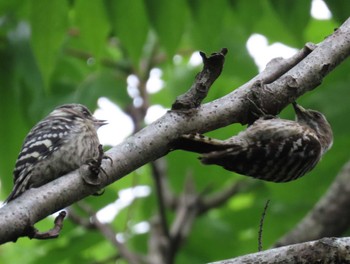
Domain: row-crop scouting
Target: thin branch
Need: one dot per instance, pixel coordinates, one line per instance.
(158, 173)
(215, 200)
(108, 232)
(211, 71)
(79, 220)
(52, 233)
(260, 245)
(154, 141)
(186, 213)
(189, 206)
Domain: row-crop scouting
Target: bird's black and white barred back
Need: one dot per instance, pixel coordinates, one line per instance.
(58, 144)
(270, 149)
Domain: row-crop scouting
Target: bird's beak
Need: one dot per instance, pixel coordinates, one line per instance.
(98, 123)
(300, 111)
(298, 108)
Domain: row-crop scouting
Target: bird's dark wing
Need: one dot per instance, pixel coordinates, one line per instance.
(44, 138)
(274, 157)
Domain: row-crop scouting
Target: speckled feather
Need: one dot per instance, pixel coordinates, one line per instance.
(58, 144)
(270, 149)
(283, 151)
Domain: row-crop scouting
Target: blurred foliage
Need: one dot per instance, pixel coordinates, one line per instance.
(60, 51)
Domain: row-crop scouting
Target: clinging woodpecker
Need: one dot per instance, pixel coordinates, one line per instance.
(270, 149)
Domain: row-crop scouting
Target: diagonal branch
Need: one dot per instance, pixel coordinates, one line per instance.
(154, 141)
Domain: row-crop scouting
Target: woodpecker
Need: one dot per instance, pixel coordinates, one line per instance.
(60, 143)
(271, 149)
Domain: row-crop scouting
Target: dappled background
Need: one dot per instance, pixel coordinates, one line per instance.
(128, 60)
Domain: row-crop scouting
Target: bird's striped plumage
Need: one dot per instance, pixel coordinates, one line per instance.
(270, 149)
(58, 144)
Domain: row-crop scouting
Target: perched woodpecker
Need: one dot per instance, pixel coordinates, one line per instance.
(271, 149)
(58, 144)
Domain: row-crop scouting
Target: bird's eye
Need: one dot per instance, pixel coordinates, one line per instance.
(86, 113)
(317, 115)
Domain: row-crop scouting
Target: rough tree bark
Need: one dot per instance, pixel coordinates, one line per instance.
(326, 250)
(280, 84)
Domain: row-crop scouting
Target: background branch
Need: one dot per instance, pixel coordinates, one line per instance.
(329, 217)
(92, 222)
(160, 190)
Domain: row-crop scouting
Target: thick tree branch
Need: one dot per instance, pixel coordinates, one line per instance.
(154, 141)
(326, 250)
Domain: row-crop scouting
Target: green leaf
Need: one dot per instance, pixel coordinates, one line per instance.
(49, 25)
(80, 243)
(339, 8)
(207, 17)
(15, 8)
(11, 114)
(103, 83)
(168, 19)
(177, 79)
(20, 88)
(93, 26)
(279, 32)
(318, 29)
(130, 22)
(294, 15)
(242, 11)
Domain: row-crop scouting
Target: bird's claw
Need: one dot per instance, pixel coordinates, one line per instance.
(95, 168)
